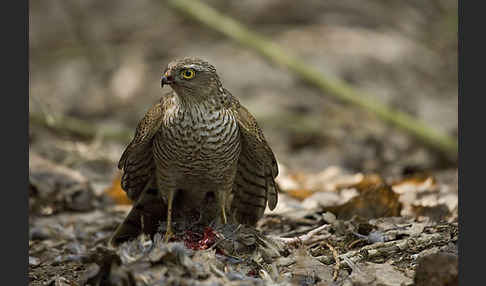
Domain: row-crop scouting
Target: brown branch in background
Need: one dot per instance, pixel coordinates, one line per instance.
(199, 11)
(81, 128)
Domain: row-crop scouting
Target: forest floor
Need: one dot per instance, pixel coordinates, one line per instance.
(329, 228)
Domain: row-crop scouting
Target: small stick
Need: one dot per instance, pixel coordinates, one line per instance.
(305, 238)
(386, 249)
(336, 258)
(352, 244)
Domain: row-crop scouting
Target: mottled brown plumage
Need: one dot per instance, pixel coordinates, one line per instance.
(197, 143)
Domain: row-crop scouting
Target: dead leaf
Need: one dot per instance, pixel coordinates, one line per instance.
(417, 183)
(300, 194)
(375, 199)
(378, 274)
(424, 195)
(436, 213)
(437, 269)
(307, 270)
(330, 179)
(55, 188)
(117, 193)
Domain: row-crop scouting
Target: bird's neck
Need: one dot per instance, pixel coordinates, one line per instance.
(190, 111)
(199, 100)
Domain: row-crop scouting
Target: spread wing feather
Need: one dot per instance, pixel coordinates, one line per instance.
(255, 184)
(138, 165)
(137, 160)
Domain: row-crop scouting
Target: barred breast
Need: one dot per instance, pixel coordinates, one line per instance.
(198, 144)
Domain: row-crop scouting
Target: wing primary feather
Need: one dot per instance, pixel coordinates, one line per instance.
(257, 160)
(137, 160)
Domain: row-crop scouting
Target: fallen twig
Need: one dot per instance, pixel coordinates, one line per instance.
(307, 238)
(352, 244)
(385, 249)
(336, 258)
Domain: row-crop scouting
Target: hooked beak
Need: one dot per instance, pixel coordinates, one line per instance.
(166, 79)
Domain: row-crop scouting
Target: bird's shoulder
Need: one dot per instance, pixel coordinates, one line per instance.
(147, 127)
(245, 119)
(153, 118)
(252, 134)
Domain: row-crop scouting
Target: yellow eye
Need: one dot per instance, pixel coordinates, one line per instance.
(188, 73)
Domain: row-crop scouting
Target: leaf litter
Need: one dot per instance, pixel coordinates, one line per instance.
(330, 228)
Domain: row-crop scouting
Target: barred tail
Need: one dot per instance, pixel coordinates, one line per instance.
(144, 217)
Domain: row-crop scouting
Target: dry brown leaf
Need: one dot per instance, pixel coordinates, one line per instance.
(378, 274)
(375, 199)
(367, 181)
(300, 194)
(117, 193)
(417, 183)
(423, 195)
(55, 188)
(438, 212)
(437, 269)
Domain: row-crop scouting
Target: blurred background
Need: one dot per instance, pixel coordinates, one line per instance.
(99, 63)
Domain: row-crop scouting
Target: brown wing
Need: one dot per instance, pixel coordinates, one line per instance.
(257, 168)
(137, 160)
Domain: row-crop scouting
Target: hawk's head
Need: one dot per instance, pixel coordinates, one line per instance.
(191, 76)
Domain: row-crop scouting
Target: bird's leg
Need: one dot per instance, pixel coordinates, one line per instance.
(168, 232)
(222, 204)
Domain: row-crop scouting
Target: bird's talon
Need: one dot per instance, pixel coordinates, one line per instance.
(168, 235)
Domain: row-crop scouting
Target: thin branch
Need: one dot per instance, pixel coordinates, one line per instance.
(386, 249)
(232, 29)
(336, 258)
(81, 128)
(308, 238)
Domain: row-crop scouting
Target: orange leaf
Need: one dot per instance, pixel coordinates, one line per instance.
(375, 199)
(415, 184)
(117, 193)
(300, 194)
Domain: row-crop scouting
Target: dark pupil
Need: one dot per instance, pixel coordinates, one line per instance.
(188, 73)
